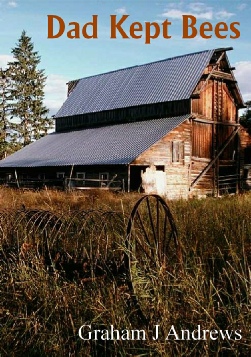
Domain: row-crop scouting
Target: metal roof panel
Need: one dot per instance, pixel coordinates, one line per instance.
(162, 81)
(108, 145)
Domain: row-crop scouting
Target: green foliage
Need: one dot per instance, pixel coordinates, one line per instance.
(245, 119)
(8, 135)
(27, 93)
(5, 124)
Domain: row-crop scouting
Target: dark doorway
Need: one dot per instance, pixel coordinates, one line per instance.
(227, 180)
(247, 155)
(135, 177)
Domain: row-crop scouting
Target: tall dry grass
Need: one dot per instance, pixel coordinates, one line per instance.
(41, 309)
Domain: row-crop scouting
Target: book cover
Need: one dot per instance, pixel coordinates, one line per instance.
(125, 170)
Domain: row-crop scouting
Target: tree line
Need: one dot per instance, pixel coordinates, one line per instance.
(23, 115)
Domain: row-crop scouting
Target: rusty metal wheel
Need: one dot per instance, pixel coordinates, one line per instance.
(153, 253)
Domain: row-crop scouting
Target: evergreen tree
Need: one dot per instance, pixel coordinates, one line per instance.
(27, 93)
(7, 139)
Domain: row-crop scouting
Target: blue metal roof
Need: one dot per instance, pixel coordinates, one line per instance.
(162, 81)
(109, 145)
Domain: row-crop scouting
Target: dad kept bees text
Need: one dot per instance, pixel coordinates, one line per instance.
(121, 27)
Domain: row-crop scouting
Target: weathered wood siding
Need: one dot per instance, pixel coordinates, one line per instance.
(215, 118)
(215, 102)
(161, 154)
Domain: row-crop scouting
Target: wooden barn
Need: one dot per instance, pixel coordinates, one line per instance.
(169, 127)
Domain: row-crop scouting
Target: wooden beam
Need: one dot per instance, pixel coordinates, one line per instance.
(223, 75)
(207, 121)
(69, 183)
(109, 183)
(17, 182)
(211, 73)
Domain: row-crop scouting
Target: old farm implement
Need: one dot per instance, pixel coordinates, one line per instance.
(84, 246)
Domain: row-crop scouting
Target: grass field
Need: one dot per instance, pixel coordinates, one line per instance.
(42, 306)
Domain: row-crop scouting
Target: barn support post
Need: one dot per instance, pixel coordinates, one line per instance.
(213, 153)
(18, 186)
(216, 118)
(237, 164)
(69, 183)
(238, 154)
(128, 179)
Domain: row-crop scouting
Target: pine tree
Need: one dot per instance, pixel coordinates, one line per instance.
(6, 133)
(27, 93)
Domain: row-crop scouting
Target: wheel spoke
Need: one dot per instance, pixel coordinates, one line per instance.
(151, 221)
(143, 228)
(153, 249)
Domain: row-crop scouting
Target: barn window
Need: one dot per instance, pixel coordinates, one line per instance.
(80, 175)
(23, 177)
(80, 178)
(177, 151)
(60, 175)
(160, 168)
(103, 177)
(41, 176)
